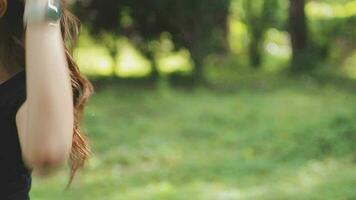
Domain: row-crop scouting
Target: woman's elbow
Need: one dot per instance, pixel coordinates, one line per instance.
(46, 157)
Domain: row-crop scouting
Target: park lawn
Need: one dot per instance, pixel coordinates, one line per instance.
(290, 140)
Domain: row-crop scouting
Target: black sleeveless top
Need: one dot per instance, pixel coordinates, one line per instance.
(15, 178)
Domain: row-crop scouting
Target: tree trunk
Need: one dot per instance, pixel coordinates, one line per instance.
(113, 54)
(198, 71)
(298, 30)
(154, 72)
(254, 52)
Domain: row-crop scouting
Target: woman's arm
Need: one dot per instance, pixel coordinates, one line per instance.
(45, 121)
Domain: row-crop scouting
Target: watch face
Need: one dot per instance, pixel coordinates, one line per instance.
(40, 11)
(54, 11)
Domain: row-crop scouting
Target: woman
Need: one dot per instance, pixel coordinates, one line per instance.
(42, 94)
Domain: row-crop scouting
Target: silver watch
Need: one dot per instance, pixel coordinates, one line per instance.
(36, 12)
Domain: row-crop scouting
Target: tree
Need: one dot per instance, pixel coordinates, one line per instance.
(199, 26)
(259, 15)
(104, 27)
(299, 32)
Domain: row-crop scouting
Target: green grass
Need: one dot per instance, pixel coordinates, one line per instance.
(280, 140)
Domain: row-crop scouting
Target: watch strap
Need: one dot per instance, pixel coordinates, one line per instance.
(36, 12)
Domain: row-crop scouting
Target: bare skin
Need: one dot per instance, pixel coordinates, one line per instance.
(45, 120)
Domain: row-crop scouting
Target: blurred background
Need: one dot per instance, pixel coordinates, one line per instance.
(216, 100)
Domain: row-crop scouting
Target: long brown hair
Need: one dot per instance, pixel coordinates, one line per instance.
(12, 53)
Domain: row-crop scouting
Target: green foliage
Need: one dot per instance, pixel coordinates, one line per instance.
(199, 26)
(331, 33)
(205, 28)
(247, 135)
(258, 16)
(327, 33)
(263, 138)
